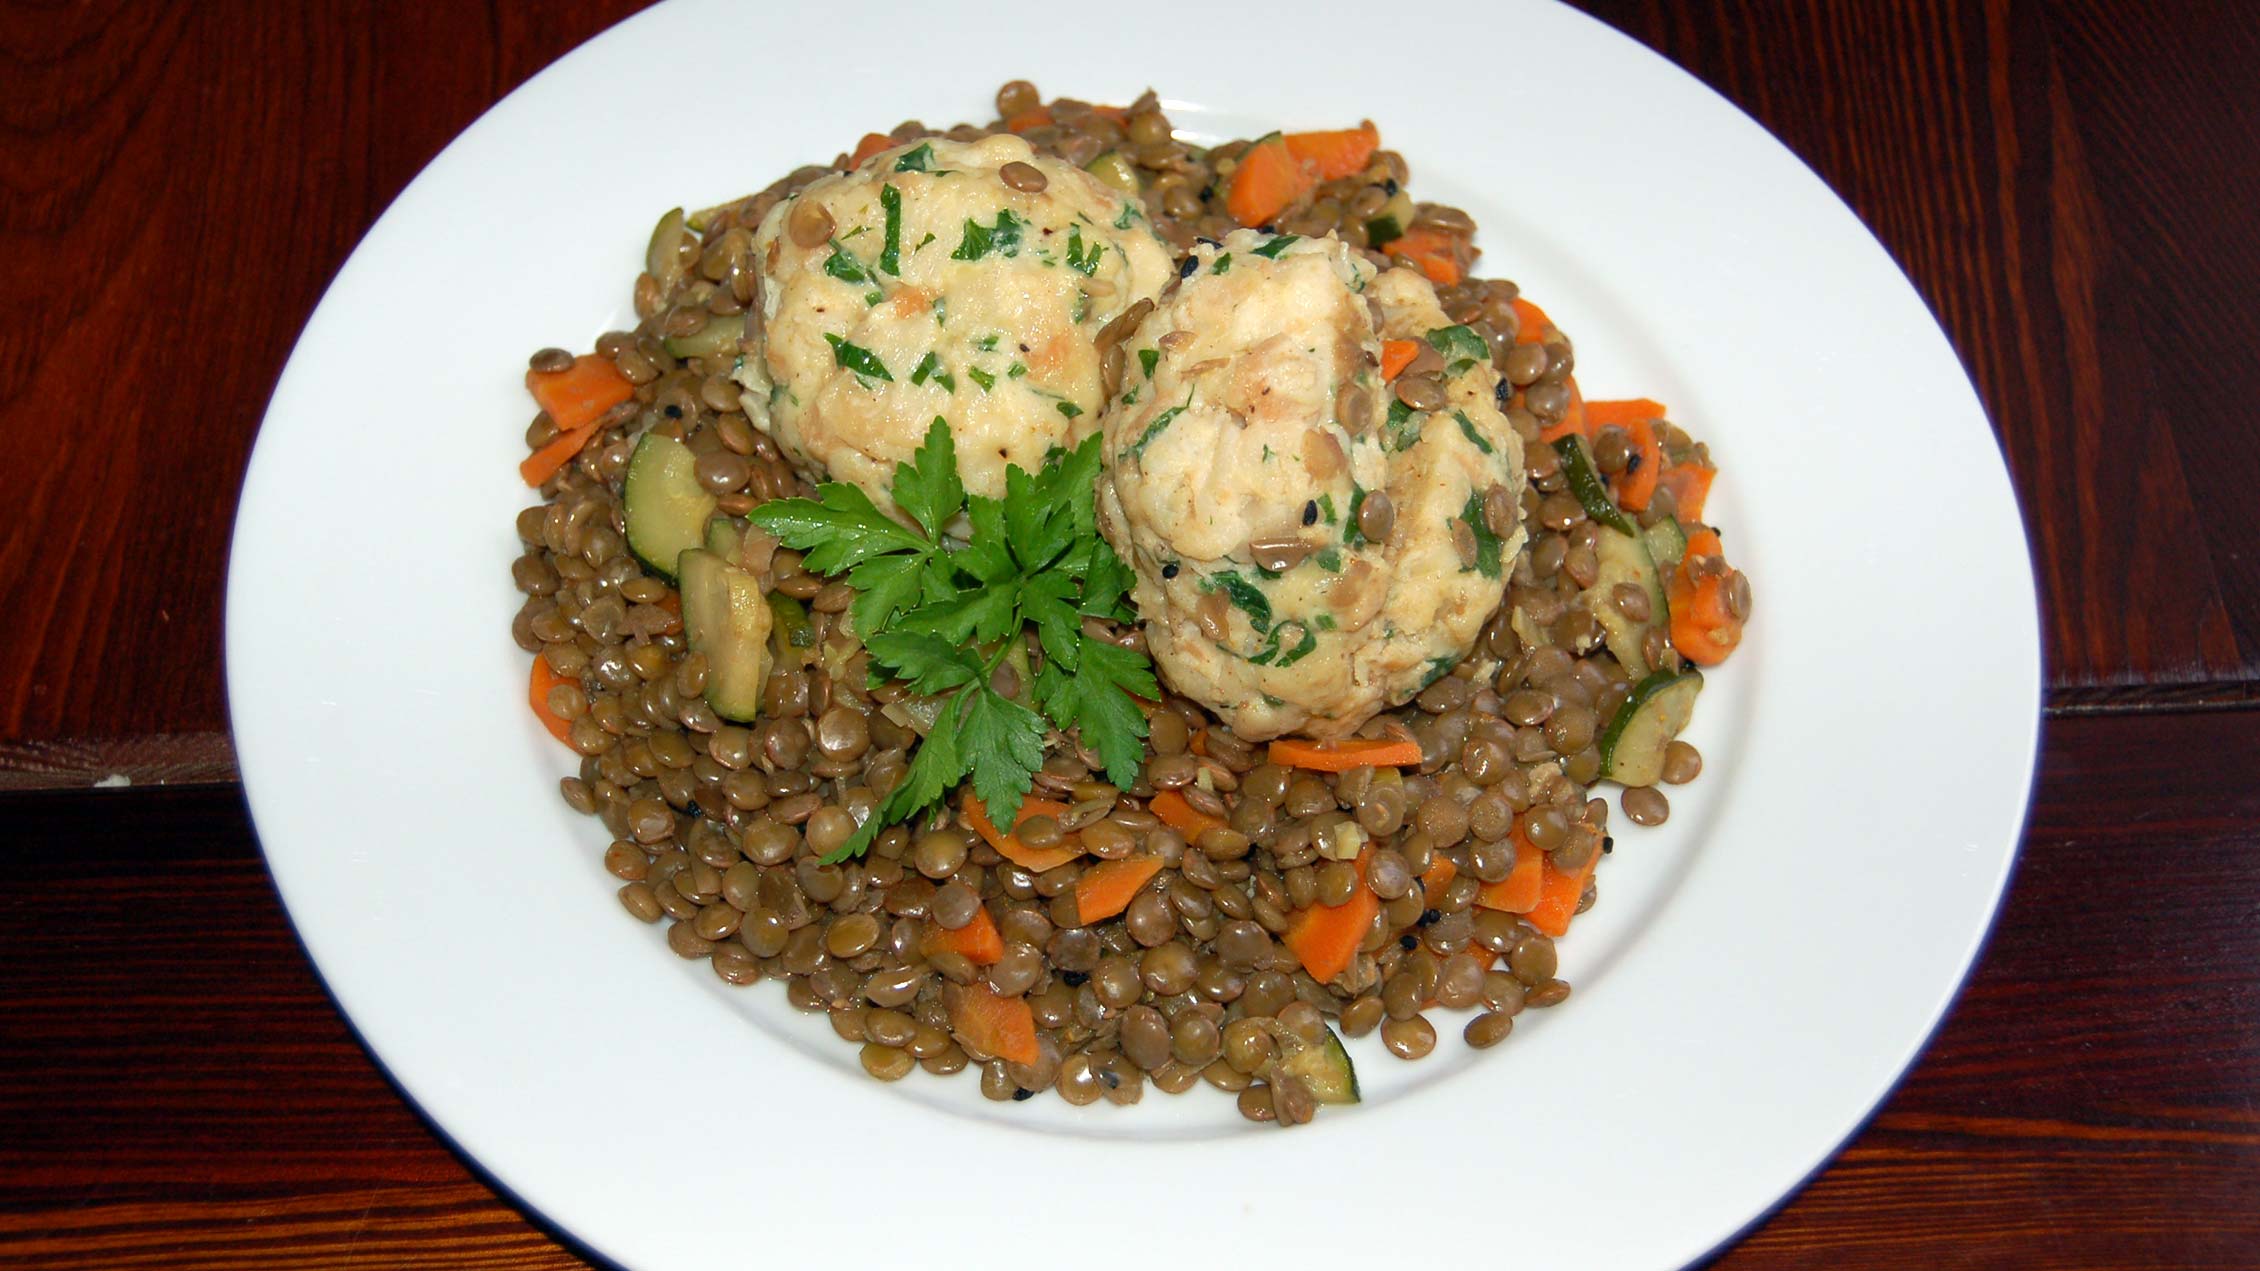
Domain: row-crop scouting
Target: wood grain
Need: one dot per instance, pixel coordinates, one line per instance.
(2060, 180)
(176, 1090)
(2053, 179)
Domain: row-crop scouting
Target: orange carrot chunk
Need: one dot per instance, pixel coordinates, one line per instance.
(1326, 937)
(1180, 815)
(1027, 119)
(979, 940)
(1622, 413)
(1428, 250)
(1690, 486)
(1396, 355)
(578, 395)
(1341, 756)
(537, 693)
(1009, 846)
(1106, 889)
(1531, 322)
(1558, 893)
(543, 464)
(987, 1023)
(1334, 155)
(1267, 181)
(1636, 485)
(1518, 892)
(872, 143)
(1441, 871)
(1702, 627)
(1574, 420)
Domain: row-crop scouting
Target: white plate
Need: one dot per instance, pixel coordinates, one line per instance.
(1758, 974)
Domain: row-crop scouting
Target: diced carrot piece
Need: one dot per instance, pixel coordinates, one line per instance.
(1530, 322)
(1334, 155)
(872, 143)
(1396, 355)
(1428, 250)
(979, 940)
(1326, 937)
(1558, 893)
(1518, 892)
(1702, 627)
(1009, 846)
(1107, 888)
(1574, 421)
(580, 394)
(1341, 756)
(1266, 182)
(1690, 486)
(1027, 119)
(1441, 871)
(543, 464)
(1622, 412)
(1636, 485)
(537, 693)
(986, 1022)
(1180, 815)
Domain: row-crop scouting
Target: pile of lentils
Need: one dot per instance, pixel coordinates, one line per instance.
(718, 828)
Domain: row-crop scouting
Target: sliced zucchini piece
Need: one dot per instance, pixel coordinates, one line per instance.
(666, 508)
(719, 335)
(1114, 169)
(1585, 482)
(791, 639)
(1391, 222)
(1324, 1066)
(1667, 543)
(1625, 559)
(726, 617)
(723, 537)
(663, 255)
(1632, 746)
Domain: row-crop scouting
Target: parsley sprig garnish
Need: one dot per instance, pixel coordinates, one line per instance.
(941, 615)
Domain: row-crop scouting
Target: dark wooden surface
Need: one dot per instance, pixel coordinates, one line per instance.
(2074, 187)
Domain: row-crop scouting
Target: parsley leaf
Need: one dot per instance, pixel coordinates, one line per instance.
(1487, 544)
(1244, 595)
(1147, 358)
(1468, 429)
(919, 158)
(1076, 260)
(985, 379)
(890, 256)
(1011, 736)
(839, 529)
(941, 617)
(928, 487)
(928, 664)
(1401, 432)
(1461, 347)
(1277, 245)
(844, 267)
(1159, 424)
(930, 368)
(1003, 237)
(856, 358)
(1098, 697)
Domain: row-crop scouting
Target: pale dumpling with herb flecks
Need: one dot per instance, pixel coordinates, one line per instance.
(1310, 550)
(959, 280)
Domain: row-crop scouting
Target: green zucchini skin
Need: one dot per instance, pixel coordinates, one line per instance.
(665, 507)
(1632, 746)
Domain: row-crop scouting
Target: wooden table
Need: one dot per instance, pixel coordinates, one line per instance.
(2074, 187)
